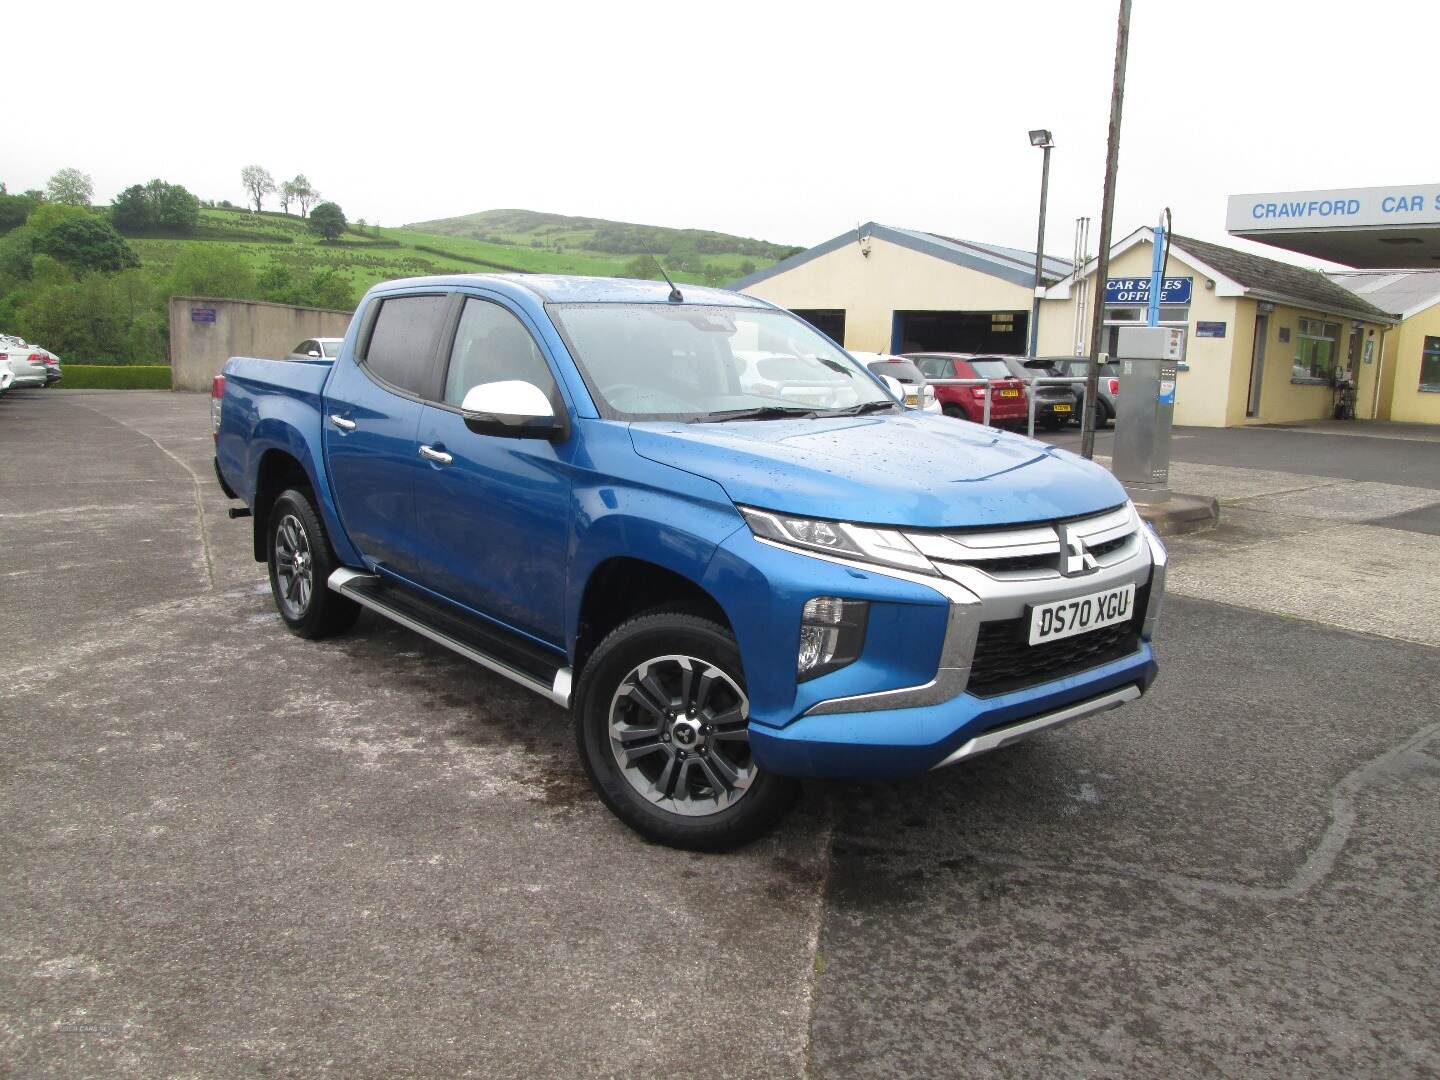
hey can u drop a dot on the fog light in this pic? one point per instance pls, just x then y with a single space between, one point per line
832 634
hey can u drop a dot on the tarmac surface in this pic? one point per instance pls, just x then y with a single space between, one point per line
229 852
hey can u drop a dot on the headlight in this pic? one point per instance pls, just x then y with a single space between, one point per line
887 547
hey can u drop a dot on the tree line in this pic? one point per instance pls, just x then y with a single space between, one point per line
71 281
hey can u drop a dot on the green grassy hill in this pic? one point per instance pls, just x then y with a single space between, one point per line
366 255
696 253
85 302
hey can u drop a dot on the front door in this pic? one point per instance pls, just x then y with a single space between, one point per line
1257 365
372 414
494 520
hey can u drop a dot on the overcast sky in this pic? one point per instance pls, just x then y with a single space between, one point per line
787 122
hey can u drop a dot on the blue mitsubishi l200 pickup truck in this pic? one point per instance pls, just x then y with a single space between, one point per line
699 524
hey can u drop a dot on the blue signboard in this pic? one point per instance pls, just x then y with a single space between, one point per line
1209 329
202 314
1136 290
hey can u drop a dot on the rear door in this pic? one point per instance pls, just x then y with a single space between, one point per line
372 412
493 513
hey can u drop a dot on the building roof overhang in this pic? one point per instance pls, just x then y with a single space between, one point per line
1367 228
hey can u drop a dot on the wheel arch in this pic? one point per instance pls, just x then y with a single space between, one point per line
624 586
277 470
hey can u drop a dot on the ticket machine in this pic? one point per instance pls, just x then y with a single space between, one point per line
1149 359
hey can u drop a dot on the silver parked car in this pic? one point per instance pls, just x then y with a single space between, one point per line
316 348
26 362
1055 404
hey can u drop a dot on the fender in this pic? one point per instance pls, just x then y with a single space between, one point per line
659 514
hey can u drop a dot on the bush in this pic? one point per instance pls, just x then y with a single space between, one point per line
85 243
115 377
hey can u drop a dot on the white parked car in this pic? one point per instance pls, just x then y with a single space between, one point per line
918 391
789 377
317 348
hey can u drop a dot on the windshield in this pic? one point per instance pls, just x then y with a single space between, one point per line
991 369
692 361
330 348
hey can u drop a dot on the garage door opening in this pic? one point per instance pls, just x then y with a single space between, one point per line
829 321
961 331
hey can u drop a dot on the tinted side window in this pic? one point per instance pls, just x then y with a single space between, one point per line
934 367
492 345
403 341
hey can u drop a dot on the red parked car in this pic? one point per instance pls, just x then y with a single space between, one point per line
1009 404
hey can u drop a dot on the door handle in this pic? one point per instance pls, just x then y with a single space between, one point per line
342 423
437 456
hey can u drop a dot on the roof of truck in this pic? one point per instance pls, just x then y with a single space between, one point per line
577 289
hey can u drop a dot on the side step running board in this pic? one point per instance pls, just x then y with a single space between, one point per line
472 642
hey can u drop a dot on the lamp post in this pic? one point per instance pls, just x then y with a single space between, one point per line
1042 139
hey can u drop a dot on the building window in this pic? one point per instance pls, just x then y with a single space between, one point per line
1316 350
1170 314
1430 366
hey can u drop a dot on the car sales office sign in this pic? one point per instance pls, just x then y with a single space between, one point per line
1136 290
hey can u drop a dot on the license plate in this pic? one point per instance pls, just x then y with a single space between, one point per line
1066 618
911 399
1061 408
1009 393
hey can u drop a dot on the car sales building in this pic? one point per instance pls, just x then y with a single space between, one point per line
882 289
1266 340
1390 235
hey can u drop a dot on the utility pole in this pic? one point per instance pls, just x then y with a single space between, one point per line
1107 216
1041 138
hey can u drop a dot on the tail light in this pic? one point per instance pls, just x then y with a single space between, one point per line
1114 386
978 391
36 358
217 393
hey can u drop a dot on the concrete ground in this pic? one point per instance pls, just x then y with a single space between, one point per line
230 852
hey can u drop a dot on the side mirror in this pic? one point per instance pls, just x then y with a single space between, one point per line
895 386
512 409
314 354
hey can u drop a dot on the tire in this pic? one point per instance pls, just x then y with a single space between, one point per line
953 411
308 607
718 799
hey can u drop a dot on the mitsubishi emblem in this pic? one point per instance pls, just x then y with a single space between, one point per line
1075 558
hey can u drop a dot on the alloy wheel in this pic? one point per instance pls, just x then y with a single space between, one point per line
294 566
679 731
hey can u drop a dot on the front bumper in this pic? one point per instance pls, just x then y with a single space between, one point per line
914 727
909 741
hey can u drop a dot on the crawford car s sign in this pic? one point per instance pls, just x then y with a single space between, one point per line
1413 204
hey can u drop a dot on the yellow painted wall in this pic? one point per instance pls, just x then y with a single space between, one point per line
1389 351
1407 403
892 278
1214 392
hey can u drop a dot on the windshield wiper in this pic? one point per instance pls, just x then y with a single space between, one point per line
763 412
864 407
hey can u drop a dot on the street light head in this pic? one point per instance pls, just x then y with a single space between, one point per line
1040 137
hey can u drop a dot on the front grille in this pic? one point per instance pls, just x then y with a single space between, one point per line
1100 550
1020 562
1005 662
